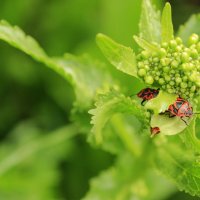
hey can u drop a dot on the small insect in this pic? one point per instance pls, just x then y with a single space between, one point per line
147 94
154 131
180 108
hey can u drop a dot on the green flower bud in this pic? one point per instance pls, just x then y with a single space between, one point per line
187 93
156 59
184 57
178 80
179 48
173 44
187 66
162 52
183 85
168 86
194 53
185 78
161 81
167 78
182 90
193 39
179 40
191 95
193 88
149 80
146 67
165 61
171 91
175 55
140 65
158 73
174 64
166 69
145 54
169 55
142 72
193 46
172 83
172 71
193 76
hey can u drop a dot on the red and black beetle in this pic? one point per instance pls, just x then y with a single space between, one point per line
154 131
147 94
180 108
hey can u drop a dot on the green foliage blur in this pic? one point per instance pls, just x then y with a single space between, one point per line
35 103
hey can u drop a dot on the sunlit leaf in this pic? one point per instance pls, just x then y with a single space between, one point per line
191 26
84 73
150 28
166 23
122 57
146 45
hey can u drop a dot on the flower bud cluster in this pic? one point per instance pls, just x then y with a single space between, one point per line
175 68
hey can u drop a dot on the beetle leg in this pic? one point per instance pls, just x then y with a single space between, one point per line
184 121
143 101
168 113
164 113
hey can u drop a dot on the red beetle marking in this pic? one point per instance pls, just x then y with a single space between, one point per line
154 131
180 108
147 94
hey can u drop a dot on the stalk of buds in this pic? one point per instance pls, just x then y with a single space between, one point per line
175 68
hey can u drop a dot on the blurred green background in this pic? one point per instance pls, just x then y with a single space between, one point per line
35 102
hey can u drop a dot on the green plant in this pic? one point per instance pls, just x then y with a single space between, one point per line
120 125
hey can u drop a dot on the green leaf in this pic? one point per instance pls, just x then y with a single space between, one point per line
166 24
191 26
150 28
16 37
178 163
122 57
126 180
107 106
146 45
29 161
10 157
189 137
167 125
86 75
79 71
